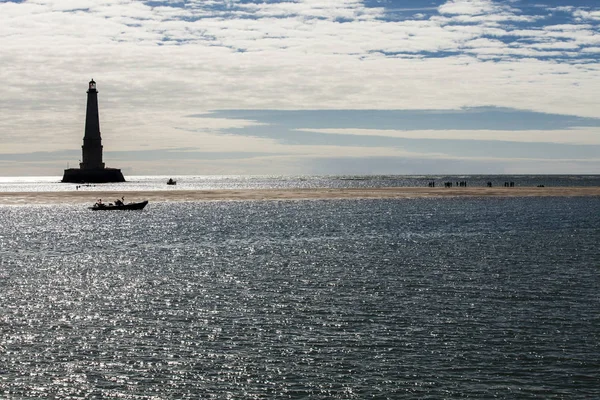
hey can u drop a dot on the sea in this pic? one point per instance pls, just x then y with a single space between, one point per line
424 298
157 183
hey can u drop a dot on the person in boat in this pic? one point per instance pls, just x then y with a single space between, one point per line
120 202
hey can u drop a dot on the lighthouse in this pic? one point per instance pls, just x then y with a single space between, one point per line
92 169
92 142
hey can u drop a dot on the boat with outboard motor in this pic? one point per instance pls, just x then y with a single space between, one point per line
118 205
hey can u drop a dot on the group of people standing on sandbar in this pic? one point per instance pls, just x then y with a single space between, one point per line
448 184
458 184
464 184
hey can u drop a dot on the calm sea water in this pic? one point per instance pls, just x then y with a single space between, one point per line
29 184
345 299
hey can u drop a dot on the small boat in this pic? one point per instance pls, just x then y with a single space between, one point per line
122 206
171 182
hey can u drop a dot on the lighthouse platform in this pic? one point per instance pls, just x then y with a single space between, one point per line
100 175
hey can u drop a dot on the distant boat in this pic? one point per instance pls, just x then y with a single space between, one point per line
122 206
171 182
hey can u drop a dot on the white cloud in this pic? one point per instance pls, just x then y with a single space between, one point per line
578 136
469 7
155 65
332 9
583 14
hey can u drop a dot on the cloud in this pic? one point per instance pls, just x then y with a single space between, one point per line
472 7
573 136
583 14
158 62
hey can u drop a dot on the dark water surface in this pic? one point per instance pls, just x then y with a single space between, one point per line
348 299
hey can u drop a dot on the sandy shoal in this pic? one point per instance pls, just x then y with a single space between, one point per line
89 197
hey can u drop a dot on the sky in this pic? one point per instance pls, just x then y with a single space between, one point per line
303 87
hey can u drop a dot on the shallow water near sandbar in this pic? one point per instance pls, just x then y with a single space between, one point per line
412 298
242 182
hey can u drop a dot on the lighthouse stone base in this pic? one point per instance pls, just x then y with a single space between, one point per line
103 175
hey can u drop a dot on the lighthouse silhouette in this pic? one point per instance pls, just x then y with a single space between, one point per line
92 169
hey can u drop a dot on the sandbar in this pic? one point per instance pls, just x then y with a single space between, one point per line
89 197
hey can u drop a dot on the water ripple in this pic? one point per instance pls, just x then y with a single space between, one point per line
423 298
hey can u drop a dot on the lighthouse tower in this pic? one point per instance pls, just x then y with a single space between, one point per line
92 142
91 169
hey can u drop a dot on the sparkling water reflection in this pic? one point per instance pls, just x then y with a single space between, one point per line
423 298
158 183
